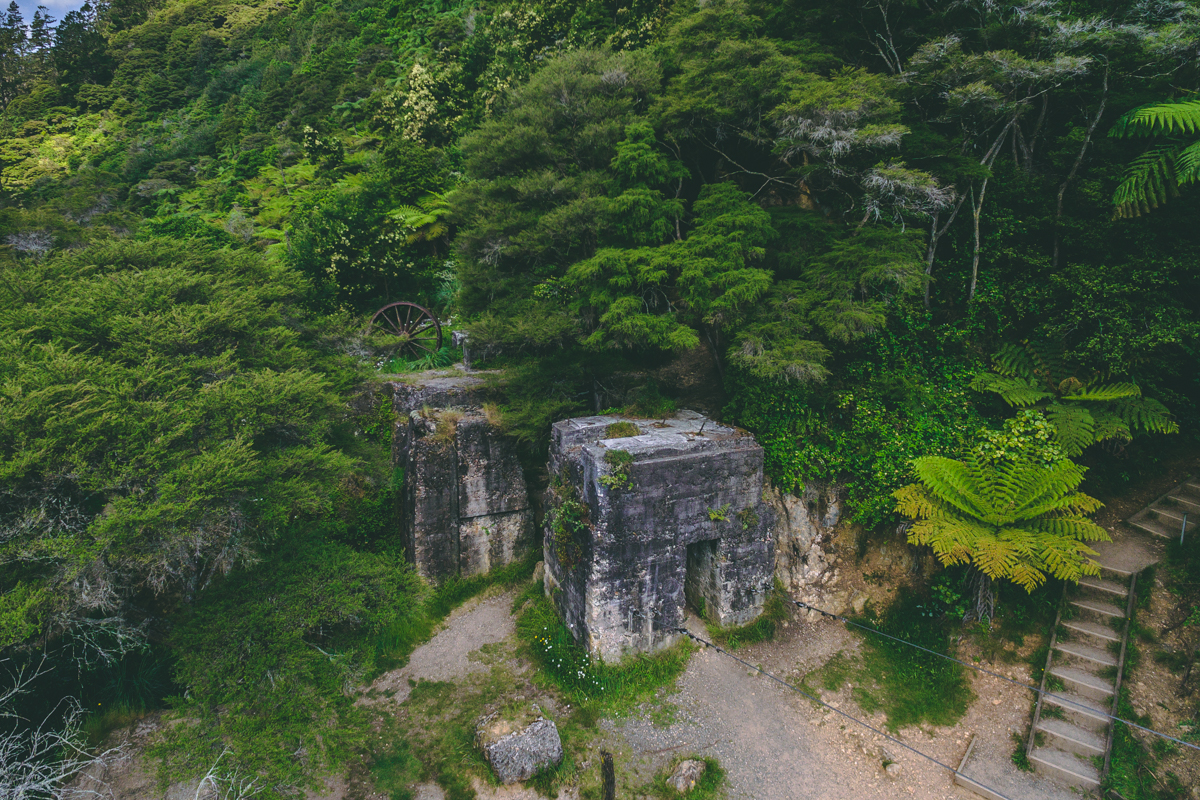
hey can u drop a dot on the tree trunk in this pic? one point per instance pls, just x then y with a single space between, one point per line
981 585
1062 190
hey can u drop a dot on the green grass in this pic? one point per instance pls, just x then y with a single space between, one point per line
775 610
395 643
910 686
621 430
443 358
833 675
98 724
434 739
590 682
1019 757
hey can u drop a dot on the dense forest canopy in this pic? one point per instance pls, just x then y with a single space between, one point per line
852 210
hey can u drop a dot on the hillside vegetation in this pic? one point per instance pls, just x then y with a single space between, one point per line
960 231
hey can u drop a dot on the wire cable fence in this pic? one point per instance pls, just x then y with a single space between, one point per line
1035 689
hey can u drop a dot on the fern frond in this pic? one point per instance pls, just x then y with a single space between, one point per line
1187 164
1146 414
1048 359
1109 426
1013 390
949 481
1159 118
1014 361
1112 391
1074 426
1150 180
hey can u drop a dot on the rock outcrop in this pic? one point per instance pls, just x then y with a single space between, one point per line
804 563
644 516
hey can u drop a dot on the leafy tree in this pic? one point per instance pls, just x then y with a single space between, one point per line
1084 408
164 417
1171 162
1012 519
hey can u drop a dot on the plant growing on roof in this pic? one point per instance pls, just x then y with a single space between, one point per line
1084 410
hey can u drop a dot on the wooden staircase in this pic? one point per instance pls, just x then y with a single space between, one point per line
1072 731
1165 516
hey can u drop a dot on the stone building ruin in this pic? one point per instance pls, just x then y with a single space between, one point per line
644 517
465 506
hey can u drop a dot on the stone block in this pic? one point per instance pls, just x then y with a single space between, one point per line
518 746
465 507
683 520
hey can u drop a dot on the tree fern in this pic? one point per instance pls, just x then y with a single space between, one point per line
1156 175
1084 411
1018 521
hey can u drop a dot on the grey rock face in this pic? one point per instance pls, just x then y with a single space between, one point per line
517 749
802 532
465 508
686 775
683 521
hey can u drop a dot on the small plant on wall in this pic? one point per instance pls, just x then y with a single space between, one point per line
568 520
619 462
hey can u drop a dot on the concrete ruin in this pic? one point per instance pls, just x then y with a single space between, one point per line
465 505
645 516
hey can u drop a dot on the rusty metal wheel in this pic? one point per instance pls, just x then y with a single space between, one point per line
416 327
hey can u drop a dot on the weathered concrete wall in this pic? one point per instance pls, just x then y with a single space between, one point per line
619 582
465 507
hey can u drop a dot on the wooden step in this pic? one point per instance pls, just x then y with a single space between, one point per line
1101 632
1068 766
1078 705
1104 609
1083 681
1087 653
1105 586
1072 737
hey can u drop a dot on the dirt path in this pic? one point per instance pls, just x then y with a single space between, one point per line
776 744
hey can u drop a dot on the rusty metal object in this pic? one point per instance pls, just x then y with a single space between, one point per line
415 326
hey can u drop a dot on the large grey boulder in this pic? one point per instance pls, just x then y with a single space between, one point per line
518 746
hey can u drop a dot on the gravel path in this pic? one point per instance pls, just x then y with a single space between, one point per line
473 625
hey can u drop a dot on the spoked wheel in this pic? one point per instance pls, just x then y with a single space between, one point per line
416 327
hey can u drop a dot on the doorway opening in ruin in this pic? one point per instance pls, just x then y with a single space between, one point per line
700 580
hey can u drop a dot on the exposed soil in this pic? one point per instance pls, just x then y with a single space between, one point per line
1154 690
